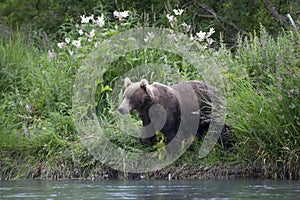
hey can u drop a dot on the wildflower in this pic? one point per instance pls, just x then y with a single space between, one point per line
71 53
61 45
30 107
27 107
85 20
192 37
292 106
209 40
100 21
171 18
200 36
211 31
178 12
92 33
80 31
121 15
51 54
279 79
76 43
172 36
67 40
187 27
149 35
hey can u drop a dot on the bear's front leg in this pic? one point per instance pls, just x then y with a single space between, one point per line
148 134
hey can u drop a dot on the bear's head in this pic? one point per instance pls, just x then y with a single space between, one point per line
137 96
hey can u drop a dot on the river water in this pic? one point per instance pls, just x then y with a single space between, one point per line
162 190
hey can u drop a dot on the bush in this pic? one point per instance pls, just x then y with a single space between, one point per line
35 107
264 107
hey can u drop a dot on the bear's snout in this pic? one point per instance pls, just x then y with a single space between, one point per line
125 107
122 110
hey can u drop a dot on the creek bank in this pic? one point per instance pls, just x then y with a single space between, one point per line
101 172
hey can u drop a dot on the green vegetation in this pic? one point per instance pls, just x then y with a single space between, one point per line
38 138
229 18
265 105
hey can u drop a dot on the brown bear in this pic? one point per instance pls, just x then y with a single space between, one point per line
165 108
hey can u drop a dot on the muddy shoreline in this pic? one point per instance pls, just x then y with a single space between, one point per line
100 172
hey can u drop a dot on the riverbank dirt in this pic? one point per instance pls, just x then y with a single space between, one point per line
234 171
101 172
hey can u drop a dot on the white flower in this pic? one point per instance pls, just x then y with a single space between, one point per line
28 107
192 37
209 40
211 31
80 31
172 36
150 35
178 12
171 18
92 33
61 45
76 43
85 20
121 15
67 40
292 106
200 36
51 54
71 53
100 21
187 27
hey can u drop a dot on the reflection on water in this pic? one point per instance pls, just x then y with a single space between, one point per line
200 189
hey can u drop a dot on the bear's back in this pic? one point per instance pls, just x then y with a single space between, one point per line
199 88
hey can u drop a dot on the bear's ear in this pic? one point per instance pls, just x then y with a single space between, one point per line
127 82
150 90
144 83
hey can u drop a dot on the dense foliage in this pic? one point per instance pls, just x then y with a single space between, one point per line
228 17
262 76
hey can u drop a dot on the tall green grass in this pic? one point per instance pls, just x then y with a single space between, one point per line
37 134
264 107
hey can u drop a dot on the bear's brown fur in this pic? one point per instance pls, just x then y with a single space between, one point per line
161 107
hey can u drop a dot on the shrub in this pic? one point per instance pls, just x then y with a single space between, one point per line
264 108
